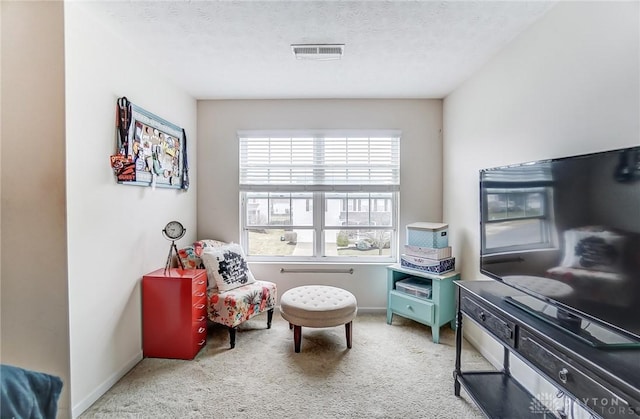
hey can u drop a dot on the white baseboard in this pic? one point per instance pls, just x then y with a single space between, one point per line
361 310
487 352
83 405
372 310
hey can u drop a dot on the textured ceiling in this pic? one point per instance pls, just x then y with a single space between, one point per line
393 49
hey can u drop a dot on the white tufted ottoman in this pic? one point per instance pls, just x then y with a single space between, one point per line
318 306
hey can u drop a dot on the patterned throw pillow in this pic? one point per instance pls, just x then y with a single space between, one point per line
227 266
190 255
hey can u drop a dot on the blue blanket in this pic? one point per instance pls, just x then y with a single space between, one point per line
28 394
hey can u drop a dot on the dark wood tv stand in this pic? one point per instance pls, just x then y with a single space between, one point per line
605 381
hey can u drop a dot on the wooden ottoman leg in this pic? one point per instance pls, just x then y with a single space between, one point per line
347 328
269 318
232 337
297 337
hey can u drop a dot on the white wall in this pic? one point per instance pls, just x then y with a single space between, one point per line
568 85
75 244
114 231
421 168
35 332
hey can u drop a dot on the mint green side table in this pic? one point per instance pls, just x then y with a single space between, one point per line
437 311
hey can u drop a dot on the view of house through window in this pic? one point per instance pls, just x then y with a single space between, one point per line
517 217
319 197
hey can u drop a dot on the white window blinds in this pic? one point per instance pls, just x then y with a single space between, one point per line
320 161
528 174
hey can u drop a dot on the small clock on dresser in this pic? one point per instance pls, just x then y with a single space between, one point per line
174 230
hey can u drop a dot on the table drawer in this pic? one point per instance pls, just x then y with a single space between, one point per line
412 307
500 327
557 368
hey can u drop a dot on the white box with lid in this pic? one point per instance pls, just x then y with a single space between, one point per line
428 252
414 286
422 234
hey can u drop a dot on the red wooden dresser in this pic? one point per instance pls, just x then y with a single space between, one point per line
174 313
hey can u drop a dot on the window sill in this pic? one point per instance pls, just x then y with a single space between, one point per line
325 263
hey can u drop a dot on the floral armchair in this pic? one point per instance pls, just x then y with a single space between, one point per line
233 294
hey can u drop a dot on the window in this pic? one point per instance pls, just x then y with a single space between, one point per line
329 196
516 218
517 215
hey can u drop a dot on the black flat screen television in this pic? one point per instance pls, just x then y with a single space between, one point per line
566 232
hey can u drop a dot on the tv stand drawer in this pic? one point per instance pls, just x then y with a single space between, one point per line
594 395
500 327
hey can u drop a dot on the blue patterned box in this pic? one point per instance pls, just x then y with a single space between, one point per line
428 265
435 235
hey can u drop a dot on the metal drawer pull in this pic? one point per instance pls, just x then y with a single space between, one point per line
200 319
483 316
409 307
202 329
200 282
199 294
563 374
202 342
200 306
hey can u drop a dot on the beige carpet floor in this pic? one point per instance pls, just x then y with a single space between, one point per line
392 371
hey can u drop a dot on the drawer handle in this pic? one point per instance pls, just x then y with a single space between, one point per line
483 316
563 375
202 329
409 307
202 342
200 319
199 294
200 306
200 282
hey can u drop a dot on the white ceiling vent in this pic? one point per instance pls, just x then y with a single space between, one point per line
318 51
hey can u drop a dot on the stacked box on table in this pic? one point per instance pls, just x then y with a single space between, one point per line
434 235
428 265
428 252
415 286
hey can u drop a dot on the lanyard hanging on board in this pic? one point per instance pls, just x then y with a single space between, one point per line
124 122
185 169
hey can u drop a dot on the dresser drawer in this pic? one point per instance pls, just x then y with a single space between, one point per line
499 326
411 307
198 294
198 335
199 284
199 316
554 364
199 310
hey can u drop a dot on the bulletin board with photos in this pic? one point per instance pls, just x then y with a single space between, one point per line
151 150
